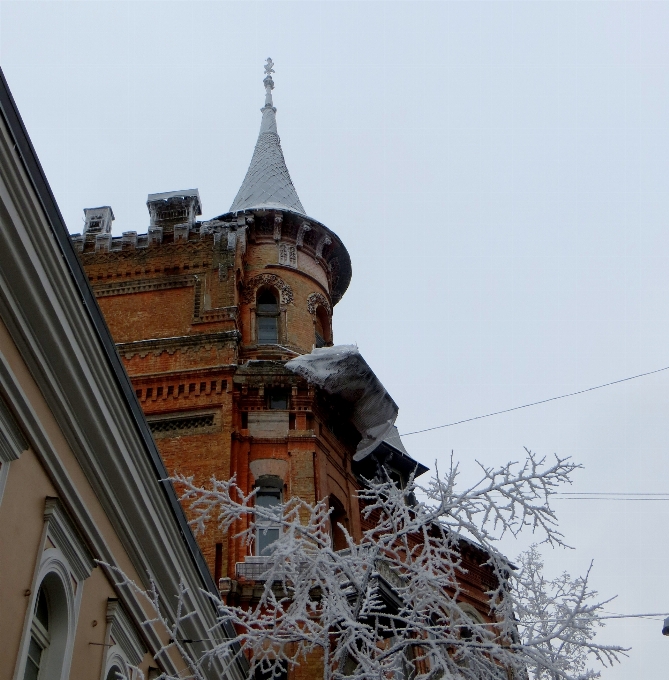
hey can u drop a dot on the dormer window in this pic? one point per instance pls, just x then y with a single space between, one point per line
267 317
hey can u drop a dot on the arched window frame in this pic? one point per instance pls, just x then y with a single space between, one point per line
322 317
64 564
338 516
321 312
124 648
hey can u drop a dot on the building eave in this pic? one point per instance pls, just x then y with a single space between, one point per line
346 270
63 339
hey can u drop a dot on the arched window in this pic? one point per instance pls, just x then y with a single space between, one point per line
267 317
338 519
48 631
39 638
115 673
322 323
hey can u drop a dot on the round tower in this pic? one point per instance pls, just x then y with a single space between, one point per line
296 269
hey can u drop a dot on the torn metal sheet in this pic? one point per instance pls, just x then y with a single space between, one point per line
341 370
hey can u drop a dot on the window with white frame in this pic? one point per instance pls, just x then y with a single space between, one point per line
268 529
123 645
51 621
39 637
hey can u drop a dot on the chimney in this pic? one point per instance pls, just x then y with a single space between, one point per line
173 208
98 220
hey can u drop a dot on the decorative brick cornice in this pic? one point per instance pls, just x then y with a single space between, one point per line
218 314
142 285
182 343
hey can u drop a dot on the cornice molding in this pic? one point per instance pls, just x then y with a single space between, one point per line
67 539
180 343
142 285
12 441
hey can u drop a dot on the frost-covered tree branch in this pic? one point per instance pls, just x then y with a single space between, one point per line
559 618
391 603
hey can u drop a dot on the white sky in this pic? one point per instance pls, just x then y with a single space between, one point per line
499 174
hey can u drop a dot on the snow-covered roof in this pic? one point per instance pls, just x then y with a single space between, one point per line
341 370
267 184
173 194
184 193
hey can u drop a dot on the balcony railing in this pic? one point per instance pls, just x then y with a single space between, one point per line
253 568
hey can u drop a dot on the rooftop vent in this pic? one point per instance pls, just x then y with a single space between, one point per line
98 220
174 207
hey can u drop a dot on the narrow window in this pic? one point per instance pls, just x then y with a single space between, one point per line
338 519
267 530
267 318
322 328
39 637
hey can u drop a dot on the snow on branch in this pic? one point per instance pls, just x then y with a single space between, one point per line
394 602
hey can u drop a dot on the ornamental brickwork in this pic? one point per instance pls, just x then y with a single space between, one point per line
205 314
183 310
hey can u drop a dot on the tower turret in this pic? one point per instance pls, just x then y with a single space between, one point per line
296 268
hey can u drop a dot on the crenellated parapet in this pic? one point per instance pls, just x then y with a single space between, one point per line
202 270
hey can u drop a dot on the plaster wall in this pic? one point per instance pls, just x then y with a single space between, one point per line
28 485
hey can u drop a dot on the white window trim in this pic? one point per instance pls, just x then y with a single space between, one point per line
71 561
263 524
12 443
124 646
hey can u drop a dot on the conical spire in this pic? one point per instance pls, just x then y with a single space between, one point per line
267 183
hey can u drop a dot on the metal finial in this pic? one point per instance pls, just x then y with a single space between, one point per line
268 82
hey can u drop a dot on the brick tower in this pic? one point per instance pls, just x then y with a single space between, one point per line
206 313
219 324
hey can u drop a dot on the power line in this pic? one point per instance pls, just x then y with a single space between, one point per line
612 493
656 616
536 403
605 498
609 496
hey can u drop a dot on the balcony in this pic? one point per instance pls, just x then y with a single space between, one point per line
253 568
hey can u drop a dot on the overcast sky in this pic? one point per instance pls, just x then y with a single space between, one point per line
499 174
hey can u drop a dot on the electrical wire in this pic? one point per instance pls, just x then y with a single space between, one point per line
536 403
609 496
655 616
